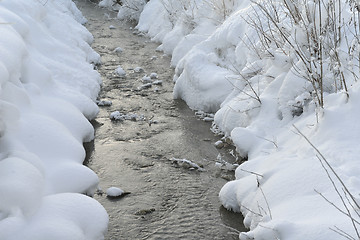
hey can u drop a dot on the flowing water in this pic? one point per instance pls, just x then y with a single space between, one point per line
166 200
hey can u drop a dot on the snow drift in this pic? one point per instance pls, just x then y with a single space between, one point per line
266 75
47 93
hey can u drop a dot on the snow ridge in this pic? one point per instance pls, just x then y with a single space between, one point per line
259 94
47 93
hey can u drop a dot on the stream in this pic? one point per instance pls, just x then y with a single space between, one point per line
168 199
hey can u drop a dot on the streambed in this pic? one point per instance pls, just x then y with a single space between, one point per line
167 200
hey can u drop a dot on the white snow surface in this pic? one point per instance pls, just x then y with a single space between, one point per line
47 93
279 188
114 192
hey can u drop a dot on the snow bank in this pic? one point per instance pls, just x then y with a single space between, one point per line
128 9
259 92
47 93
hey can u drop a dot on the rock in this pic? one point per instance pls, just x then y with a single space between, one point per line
112 27
104 103
138 70
187 164
146 79
117 116
219 144
145 86
153 122
153 75
145 211
118 50
158 82
227 140
200 114
120 71
208 119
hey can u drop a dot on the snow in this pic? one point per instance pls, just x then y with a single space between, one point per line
47 95
260 96
187 164
106 3
120 71
114 192
298 147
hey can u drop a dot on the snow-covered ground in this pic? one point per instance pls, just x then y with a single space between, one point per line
255 65
47 93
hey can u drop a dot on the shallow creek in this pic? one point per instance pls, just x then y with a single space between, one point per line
166 201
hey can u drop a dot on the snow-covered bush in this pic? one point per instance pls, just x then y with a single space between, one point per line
183 23
131 9
319 41
128 10
107 3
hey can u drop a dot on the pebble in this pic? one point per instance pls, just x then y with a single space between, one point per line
146 79
138 69
219 144
102 103
158 82
118 50
144 86
208 119
118 116
153 75
187 164
112 27
120 71
145 211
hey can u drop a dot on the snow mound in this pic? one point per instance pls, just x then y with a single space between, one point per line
259 90
114 192
47 96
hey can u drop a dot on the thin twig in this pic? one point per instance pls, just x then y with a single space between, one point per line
257 174
265 198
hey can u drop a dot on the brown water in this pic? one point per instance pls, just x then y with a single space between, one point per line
166 201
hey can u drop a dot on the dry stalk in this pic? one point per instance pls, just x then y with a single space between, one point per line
330 170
